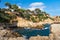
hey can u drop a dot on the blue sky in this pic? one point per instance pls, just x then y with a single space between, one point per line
50 6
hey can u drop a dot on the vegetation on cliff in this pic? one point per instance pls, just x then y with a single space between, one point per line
35 16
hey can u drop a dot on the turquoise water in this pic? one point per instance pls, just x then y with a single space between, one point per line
34 32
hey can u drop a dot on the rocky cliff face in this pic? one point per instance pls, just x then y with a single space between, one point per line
25 23
22 22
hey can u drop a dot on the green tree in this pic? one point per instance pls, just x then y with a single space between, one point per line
37 10
5 17
14 6
8 4
33 19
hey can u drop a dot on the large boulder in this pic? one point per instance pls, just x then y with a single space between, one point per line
55 29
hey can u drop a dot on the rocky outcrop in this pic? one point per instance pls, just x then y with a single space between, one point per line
8 33
55 29
25 23
6 38
50 37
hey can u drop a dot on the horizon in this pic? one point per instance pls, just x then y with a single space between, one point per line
52 7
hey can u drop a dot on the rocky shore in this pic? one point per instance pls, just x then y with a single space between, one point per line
7 34
6 38
50 37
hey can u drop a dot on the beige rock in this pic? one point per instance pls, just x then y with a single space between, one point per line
2 32
51 36
5 38
14 38
25 23
45 38
10 39
1 38
20 38
56 30
33 38
39 38
8 33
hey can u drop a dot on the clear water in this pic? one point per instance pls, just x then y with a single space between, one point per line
34 32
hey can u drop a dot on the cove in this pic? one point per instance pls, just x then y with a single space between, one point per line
28 32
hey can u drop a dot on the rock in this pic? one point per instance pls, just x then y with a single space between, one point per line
5 38
39 38
55 29
8 33
1 38
45 38
2 32
33 38
10 39
25 23
1 27
51 36
20 38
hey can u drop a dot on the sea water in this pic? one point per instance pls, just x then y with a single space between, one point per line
28 32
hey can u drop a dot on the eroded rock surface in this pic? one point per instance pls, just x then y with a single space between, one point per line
8 33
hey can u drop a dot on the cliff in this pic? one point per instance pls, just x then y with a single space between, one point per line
25 23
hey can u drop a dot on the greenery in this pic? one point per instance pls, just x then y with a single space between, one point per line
35 16
5 17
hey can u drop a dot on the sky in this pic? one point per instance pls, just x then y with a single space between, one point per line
50 6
